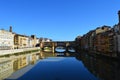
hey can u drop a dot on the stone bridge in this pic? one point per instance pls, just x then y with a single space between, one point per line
54 44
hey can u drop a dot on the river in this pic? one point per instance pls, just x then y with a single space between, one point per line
58 66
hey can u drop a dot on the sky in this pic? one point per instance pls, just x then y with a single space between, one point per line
59 20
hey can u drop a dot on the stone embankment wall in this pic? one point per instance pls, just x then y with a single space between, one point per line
6 52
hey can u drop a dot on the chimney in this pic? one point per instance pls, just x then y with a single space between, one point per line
10 30
119 16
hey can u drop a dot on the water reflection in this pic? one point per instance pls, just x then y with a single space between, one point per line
60 49
58 66
103 68
6 68
11 64
64 50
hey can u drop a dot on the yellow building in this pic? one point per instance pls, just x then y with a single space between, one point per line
20 41
23 41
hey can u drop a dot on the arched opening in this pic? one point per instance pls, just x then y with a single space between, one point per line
48 49
71 49
60 49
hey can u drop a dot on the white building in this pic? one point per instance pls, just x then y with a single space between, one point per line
46 40
6 40
29 42
37 41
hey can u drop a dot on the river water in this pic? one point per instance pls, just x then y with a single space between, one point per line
58 66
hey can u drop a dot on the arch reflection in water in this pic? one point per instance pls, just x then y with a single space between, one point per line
64 49
71 49
60 49
103 68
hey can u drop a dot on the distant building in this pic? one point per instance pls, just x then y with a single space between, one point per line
45 39
6 40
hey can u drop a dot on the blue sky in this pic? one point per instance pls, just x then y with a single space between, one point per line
57 19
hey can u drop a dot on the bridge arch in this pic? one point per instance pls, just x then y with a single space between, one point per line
55 44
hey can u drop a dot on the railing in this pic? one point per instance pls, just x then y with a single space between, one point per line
5 52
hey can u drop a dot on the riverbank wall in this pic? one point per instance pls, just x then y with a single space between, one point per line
16 51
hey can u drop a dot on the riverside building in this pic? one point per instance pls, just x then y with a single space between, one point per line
6 40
